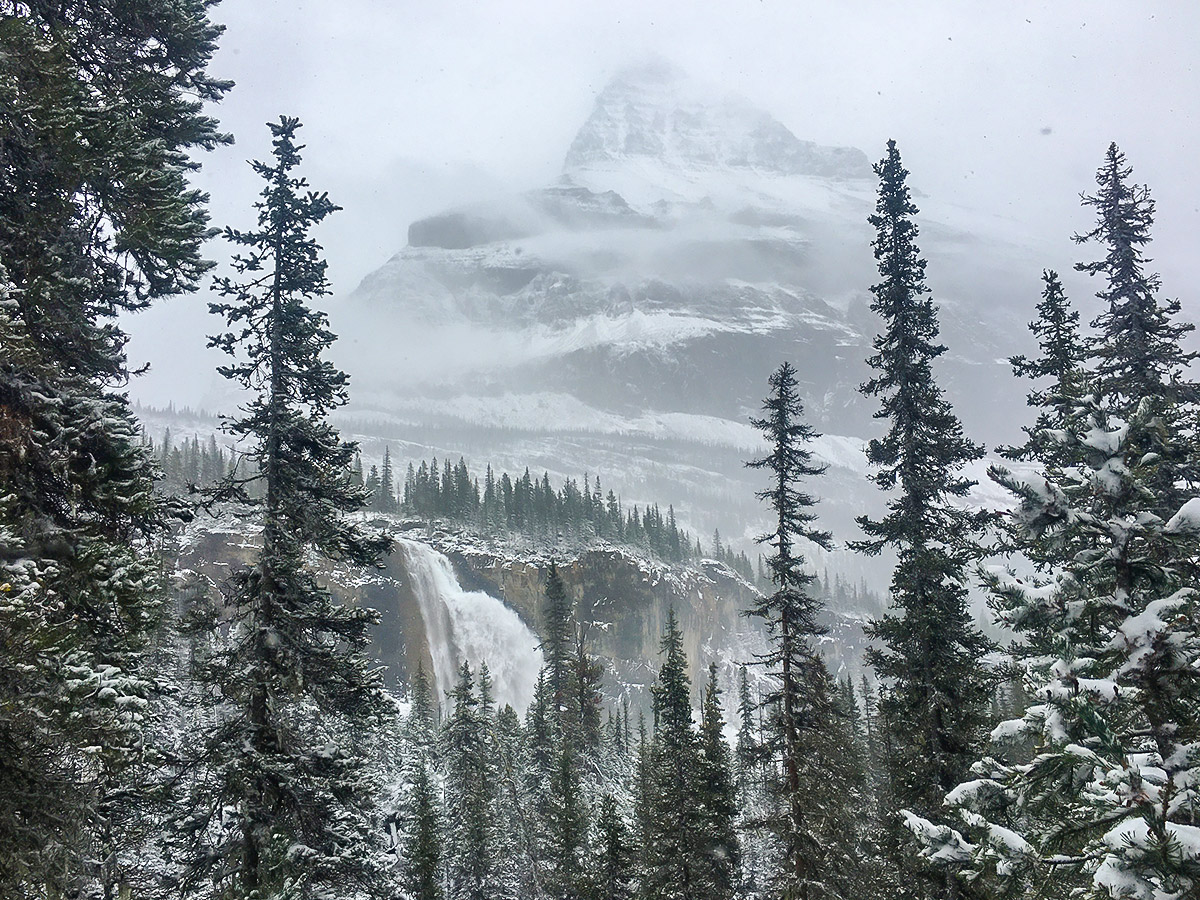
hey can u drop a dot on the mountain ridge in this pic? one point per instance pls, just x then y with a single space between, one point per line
662 286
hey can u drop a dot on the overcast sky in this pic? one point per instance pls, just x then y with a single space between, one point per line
410 107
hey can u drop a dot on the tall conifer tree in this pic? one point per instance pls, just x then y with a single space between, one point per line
718 850
558 644
296 670
929 651
1108 636
100 103
1137 351
802 711
1059 371
669 820
471 860
420 838
386 500
611 865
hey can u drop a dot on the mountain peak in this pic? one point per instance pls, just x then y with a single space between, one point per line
653 110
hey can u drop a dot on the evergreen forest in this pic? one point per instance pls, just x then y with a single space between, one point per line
162 736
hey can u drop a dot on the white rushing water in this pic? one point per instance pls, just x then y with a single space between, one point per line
472 626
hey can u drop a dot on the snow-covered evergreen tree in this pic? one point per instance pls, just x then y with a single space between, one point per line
515 873
752 765
471 859
1059 371
610 868
290 771
687 843
1109 641
419 836
102 103
719 849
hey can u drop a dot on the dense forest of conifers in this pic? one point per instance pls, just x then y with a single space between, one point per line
163 736
502 506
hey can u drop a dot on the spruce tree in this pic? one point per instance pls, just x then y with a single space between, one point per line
1108 635
101 105
471 861
558 643
668 814
586 674
296 674
611 866
542 743
567 828
802 711
515 876
718 850
422 850
1063 353
928 650
386 501
751 766
420 839
1137 352
371 485
423 712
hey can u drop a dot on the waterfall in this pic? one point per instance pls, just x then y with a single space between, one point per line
472 626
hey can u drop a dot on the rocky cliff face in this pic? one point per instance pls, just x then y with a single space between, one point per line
621 599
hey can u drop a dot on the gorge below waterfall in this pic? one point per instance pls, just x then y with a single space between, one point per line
472 626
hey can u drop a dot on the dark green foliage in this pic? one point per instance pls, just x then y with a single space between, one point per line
1137 351
530 506
515 876
566 828
752 770
422 717
1063 352
193 464
99 107
929 652
586 675
295 674
563 741
542 742
559 630
687 844
101 102
611 866
719 850
423 854
471 834
1107 634
805 727
419 836
668 818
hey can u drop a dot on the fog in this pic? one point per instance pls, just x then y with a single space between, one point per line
410 108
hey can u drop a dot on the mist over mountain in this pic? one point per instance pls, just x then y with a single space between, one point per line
624 319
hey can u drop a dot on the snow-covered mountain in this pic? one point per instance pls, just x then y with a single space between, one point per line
654 112
624 319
